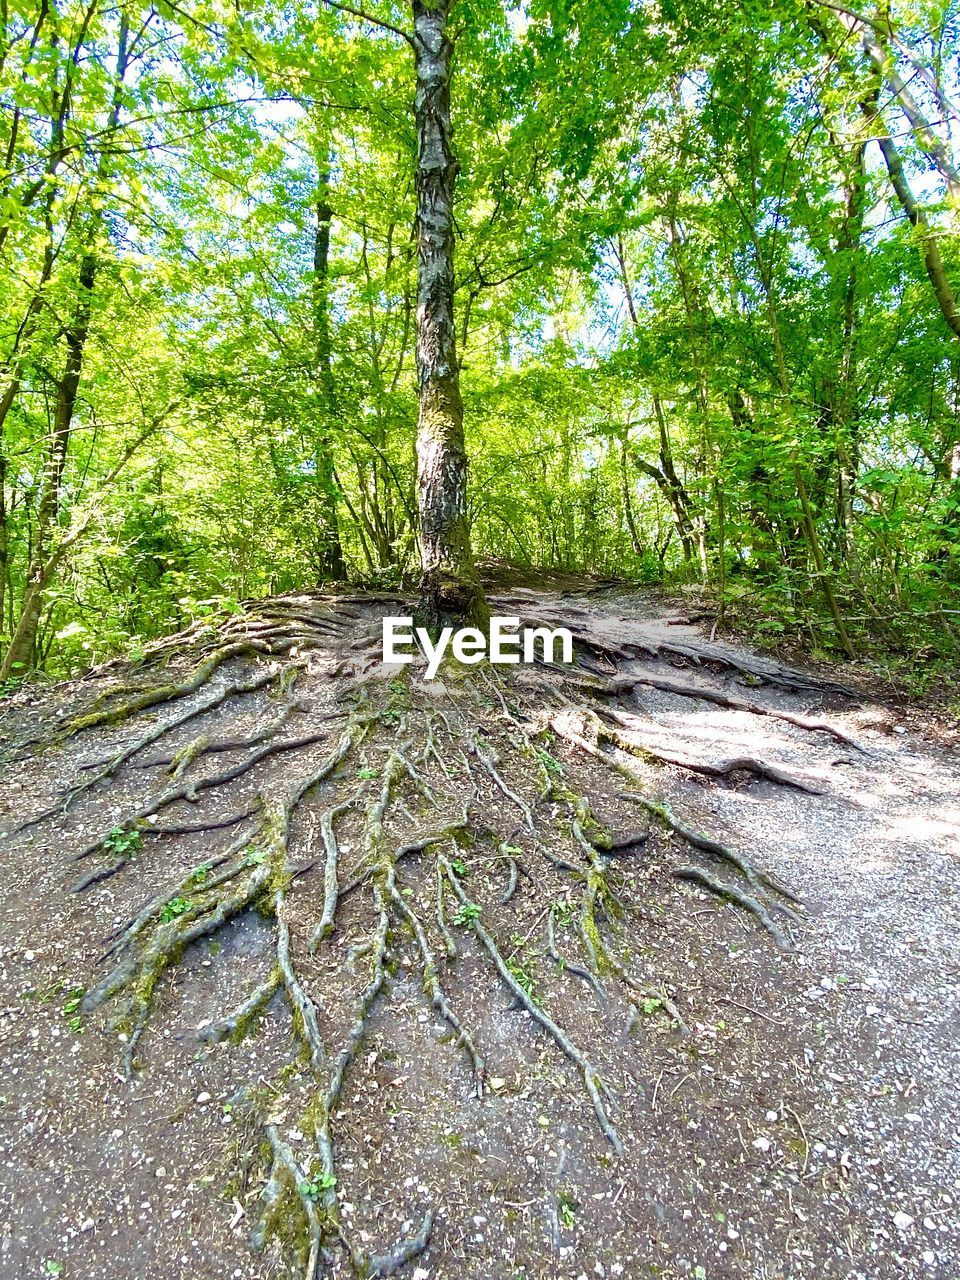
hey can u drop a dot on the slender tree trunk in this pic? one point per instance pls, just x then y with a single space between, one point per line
848 433
20 653
675 488
884 66
44 559
450 590
929 242
635 540
4 533
696 328
331 556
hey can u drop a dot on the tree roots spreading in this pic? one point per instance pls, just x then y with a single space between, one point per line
447 803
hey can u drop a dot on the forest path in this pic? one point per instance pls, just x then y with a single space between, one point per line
808 1125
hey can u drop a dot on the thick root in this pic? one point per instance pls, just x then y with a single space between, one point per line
591 1078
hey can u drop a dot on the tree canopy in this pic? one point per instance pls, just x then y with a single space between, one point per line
703 273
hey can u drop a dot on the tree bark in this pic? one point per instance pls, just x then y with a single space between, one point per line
43 559
20 652
847 410
450 591
635 540
884 65
331 554
808 523
929 244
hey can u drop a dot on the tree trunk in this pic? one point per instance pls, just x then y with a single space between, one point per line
635 540
331 555
20 653
929 243
450 590
43 558
847 411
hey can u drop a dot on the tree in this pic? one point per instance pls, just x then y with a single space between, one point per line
450 588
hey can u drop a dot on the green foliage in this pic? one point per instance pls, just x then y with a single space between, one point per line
549 762
521 975
567 1208
467 914
125 842
174 908
315 1187
677 293
70 1009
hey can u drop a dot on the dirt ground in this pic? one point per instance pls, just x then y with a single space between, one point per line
804 1122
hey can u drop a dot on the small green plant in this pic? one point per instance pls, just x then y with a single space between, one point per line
70 1009
314 1187
567 1210
124 842
650 1005
460 867
199 874
72 1003
53 1268
10 685
174 908
467 914
366 772
523 978
549 762
562 912
255 857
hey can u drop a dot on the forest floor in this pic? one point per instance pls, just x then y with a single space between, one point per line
769 1112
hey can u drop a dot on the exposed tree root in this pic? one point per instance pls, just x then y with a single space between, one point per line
745 900
189 790
624 684
242 1016
106 768
591 1078
390 861
756 878
630 643
567 966
739 764
112 710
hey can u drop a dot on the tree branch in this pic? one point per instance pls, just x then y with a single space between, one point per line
366 17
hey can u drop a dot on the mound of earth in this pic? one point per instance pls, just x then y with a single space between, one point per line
645 966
